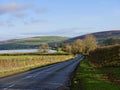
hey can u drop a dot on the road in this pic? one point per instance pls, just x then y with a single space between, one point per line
52 77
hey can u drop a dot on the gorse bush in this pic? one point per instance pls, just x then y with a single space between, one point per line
105 56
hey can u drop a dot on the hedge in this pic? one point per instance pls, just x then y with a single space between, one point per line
105 56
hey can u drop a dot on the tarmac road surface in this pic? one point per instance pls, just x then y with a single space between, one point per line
52 77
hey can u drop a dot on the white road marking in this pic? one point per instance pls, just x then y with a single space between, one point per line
12 85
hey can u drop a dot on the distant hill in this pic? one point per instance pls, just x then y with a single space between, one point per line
32 42
101 36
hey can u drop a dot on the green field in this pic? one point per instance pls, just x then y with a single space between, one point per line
15 64
33 42
90 78
39 40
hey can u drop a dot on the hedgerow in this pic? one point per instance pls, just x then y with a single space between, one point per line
105 56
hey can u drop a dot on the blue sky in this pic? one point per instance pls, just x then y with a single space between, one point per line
26 18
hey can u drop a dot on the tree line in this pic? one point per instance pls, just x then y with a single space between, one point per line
83 46
111 41
79 46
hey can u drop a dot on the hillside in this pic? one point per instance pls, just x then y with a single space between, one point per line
32 42
101 36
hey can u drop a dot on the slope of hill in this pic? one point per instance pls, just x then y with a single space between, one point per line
32 42
101 36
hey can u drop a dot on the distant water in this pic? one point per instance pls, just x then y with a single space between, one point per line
23 51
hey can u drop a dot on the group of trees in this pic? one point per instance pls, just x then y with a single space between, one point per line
81 46
111 41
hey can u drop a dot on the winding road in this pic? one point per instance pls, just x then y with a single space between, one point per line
52 77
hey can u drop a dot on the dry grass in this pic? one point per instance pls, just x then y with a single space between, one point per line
20 63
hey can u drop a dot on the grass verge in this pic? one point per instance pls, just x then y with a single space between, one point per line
90 78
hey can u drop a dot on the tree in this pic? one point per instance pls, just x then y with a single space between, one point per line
59 49
67 48
90 43
44 48
77 46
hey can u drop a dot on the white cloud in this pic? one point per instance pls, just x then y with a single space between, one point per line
69 32
7 36
13 7
40 10
20 15
20 12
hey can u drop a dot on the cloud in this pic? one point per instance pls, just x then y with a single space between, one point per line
40 10
8 37
1 23
7 23
33 21
20 15
23 13
69 32
13 7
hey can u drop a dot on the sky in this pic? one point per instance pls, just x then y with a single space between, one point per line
28 18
